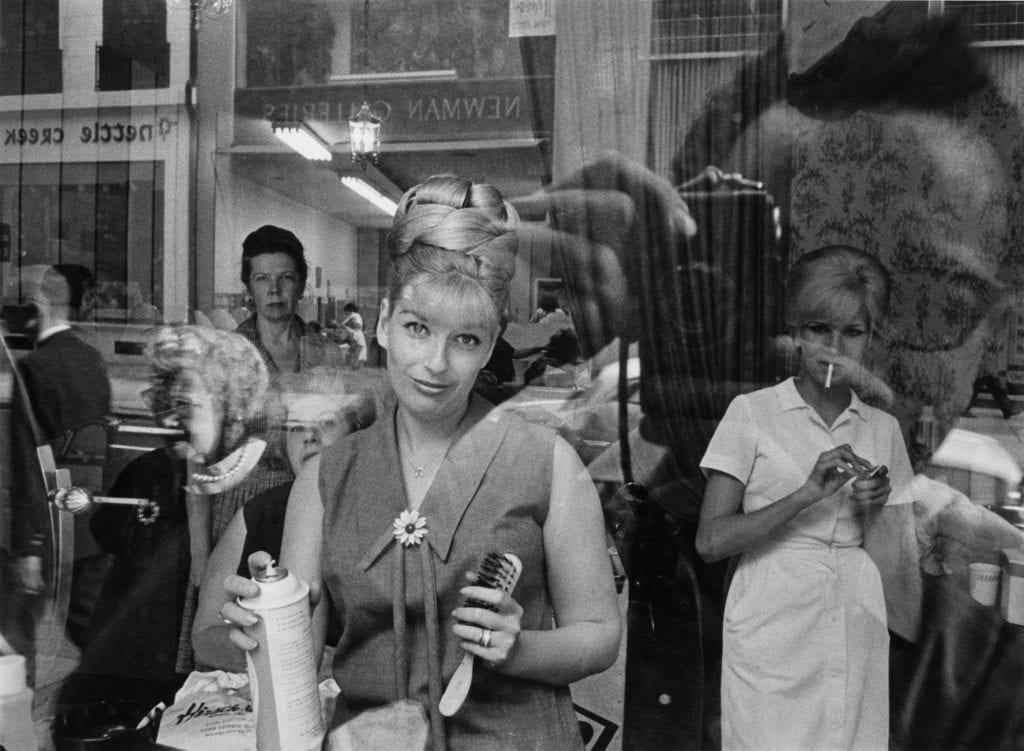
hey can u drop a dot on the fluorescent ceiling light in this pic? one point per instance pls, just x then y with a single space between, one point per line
404 75
300 137
370 193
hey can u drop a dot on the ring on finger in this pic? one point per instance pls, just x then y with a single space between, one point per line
485 638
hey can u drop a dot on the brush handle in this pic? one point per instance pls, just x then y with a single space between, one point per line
458 687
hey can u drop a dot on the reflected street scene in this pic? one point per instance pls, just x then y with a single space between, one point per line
500 374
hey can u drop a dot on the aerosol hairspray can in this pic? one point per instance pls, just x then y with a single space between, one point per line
282 669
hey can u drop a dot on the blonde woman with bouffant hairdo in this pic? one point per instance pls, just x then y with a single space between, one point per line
448 213
394 519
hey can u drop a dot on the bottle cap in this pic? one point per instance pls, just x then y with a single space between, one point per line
12 675
276 589
270 573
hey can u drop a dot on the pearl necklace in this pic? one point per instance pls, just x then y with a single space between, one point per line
199 477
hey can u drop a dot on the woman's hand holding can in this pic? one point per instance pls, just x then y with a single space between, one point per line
240 588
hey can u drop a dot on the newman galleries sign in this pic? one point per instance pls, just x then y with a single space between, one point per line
450 110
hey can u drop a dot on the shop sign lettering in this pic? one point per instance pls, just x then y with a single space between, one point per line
328 111
23 136
418 110
95 132
466 108
427 110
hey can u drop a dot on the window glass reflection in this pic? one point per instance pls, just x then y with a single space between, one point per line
666 164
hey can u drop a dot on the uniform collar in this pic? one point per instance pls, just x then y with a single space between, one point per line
790 399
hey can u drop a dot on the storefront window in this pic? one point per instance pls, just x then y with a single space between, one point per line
290 43
135 53
466 37
30 53
305 43
684 27
100 216
643 332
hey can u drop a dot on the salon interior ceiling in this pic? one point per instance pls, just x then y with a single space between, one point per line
516 169
316 184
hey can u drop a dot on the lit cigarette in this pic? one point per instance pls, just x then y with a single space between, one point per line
828 378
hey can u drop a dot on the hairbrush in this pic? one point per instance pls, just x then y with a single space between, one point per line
497 571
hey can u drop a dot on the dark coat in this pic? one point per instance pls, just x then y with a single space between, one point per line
68 388
134 630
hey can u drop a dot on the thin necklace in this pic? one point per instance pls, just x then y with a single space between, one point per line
420 469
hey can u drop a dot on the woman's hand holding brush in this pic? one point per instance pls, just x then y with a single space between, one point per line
488 623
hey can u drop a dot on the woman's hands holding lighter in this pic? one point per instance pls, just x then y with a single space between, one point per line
490 635
872 488
837 466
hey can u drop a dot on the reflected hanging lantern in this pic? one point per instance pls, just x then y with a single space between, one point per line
364 133
202 10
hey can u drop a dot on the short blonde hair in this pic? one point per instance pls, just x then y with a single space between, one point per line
823 280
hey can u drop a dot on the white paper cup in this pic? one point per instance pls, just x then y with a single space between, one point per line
985 582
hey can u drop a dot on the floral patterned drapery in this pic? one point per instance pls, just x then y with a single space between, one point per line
937 197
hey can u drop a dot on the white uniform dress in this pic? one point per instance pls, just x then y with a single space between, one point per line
805 661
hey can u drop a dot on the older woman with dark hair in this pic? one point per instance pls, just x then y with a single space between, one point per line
274 272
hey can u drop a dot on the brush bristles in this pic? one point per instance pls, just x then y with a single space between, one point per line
497 571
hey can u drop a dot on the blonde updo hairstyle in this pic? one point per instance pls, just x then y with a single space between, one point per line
455 237
837 279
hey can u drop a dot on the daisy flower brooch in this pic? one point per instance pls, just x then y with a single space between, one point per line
410 528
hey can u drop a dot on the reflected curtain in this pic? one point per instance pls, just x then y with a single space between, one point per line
679 89
601 80
714 135
716 305
704 308
1006 67
713 312
622 242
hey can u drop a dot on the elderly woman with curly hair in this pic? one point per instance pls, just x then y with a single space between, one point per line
207 383
218 397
